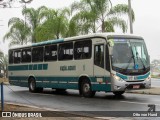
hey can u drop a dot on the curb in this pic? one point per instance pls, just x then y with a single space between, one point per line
151 91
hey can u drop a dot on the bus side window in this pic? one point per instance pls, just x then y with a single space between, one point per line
50 53
11 55
26 55
17 56
65 51
83 49
37 54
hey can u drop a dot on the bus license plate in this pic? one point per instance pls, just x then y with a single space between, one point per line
136 86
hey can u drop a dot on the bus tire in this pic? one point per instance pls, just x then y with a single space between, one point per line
86 89
118 93
32 86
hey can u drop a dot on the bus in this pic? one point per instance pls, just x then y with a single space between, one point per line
106 62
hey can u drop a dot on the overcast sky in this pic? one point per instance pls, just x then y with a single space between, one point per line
147 20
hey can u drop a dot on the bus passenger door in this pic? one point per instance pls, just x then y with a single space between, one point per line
99 69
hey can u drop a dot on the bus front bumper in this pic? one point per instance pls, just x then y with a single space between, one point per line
135 85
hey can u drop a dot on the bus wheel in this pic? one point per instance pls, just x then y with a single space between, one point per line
86 89
32 86
118 93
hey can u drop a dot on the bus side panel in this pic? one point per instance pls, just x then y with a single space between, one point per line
56 82
101 83
61 74
64 74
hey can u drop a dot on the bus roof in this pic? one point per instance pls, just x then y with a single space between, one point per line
105 35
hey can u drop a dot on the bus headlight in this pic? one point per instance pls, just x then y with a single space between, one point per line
117 78
148 78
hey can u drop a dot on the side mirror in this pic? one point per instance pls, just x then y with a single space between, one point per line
110 44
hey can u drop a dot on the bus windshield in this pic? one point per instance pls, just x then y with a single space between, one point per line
130 54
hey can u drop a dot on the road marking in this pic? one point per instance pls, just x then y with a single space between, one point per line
139 103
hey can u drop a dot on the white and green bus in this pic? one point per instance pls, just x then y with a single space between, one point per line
97 62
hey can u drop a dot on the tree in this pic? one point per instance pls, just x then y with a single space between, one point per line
4 63
55 24
85 18
98 15
19 32
155 62
8 3
26 1
73 28
34 19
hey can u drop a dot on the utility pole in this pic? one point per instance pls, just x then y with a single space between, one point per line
2 98
130 16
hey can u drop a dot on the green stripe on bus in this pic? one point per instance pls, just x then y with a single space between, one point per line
124 77
139 77
48 42
70 82
28 67
18 67
59 78
143 76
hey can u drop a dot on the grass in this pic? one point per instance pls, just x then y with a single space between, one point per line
155 76
3 80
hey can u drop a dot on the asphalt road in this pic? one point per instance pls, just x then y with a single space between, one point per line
71 101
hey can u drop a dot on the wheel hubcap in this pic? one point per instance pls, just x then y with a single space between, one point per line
32 85
86 88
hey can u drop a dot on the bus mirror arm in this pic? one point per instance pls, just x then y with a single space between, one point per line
110 51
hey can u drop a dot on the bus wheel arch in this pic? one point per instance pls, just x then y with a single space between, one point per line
85 88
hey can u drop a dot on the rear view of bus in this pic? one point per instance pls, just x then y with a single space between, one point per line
130 65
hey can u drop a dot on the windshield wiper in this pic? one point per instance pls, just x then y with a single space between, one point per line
137 54
132 57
